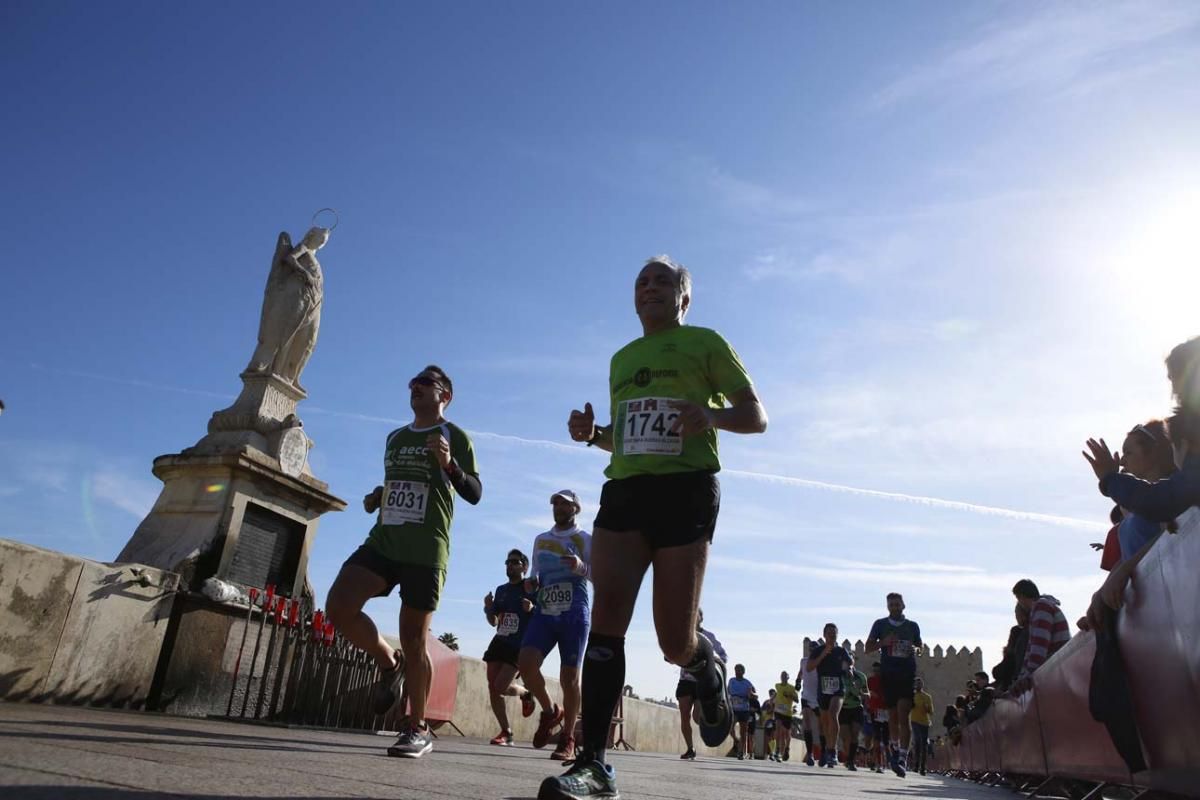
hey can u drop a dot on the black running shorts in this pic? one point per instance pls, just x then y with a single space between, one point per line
502 650
420 586
897 686
850 716
668 510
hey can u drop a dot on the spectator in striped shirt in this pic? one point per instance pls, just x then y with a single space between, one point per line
1048 629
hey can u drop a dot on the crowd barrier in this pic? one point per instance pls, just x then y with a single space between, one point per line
1049 732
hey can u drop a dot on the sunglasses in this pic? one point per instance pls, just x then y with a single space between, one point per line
510 561
1142 429
425 380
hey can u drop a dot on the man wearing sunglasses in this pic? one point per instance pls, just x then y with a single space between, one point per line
425 464
670 391
562 558
508 611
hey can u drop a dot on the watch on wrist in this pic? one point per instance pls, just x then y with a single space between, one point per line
596 432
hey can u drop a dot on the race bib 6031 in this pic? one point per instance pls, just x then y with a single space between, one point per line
404 501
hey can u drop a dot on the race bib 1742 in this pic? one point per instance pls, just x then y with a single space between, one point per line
404 501
646 427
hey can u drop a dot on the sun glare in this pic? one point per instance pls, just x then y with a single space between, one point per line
1158 266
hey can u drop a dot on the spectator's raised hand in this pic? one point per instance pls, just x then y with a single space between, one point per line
1097 546
1104 461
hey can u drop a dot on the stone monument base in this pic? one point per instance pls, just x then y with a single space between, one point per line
234 515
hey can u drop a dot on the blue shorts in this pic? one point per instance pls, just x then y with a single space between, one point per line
568 630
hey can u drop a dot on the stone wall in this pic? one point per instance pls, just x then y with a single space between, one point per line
945 672
79 631
649 727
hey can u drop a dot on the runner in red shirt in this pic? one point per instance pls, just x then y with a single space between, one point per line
877 709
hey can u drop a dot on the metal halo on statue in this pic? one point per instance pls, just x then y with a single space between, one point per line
336 218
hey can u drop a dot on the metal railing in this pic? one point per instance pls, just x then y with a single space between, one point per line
295 669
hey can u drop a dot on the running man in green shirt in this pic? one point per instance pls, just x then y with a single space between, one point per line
671 390
425 464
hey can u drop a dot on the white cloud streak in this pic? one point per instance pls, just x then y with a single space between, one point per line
1060 43
783 480
931 502
128 494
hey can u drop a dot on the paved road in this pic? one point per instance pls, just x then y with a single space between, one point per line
59 753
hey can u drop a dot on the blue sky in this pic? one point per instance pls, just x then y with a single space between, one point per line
950 241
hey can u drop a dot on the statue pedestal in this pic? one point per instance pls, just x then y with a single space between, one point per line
263 418
235 515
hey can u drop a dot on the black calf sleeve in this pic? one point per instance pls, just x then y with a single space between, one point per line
603 681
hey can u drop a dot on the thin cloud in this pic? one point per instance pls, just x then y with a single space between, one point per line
1052 49
784 480
128 494
932 502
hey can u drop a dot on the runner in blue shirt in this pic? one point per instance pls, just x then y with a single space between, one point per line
741 693
562 558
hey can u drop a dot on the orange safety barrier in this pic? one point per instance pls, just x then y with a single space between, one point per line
1049 731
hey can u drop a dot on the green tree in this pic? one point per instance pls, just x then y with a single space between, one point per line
449 639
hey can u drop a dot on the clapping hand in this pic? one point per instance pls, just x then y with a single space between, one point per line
1104 462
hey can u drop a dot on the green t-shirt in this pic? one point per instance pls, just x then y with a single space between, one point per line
856 685
684 363
413 524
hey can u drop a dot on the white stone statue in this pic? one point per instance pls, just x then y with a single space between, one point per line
291 310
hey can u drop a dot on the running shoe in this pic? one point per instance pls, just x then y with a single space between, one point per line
586 778
879 769
897 767
690 754
808 759
527 704
716 720
565 750
412 743
385 692
787 754
546 724
503 738
850 766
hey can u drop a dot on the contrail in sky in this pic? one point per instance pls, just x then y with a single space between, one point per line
763 477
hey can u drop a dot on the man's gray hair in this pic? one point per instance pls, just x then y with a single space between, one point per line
683 277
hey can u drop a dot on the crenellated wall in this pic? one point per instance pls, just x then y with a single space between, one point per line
944 670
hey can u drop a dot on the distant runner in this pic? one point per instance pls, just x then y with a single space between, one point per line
508 611
785 710
562 559
829 661
685 690
852 713
899 639
741 699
